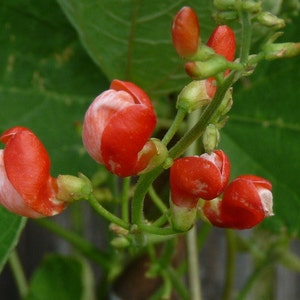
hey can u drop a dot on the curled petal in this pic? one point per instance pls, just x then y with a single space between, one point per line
124 137
27 166
9 197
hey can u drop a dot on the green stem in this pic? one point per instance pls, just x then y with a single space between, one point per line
78 242
246 36
18 272
181 113
125 199
141 190
156 200
106 214
230 264
193 264
200 126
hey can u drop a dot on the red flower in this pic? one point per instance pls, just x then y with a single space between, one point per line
117 126
246 202
197 177
26 187
186 32
222 41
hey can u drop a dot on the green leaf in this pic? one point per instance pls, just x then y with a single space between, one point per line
46 80
11 227
131 40
61 278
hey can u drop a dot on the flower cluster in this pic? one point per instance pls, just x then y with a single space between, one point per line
247 199
117 130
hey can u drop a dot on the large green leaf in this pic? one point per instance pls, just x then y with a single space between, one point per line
10 228
46 79
61 278
131 40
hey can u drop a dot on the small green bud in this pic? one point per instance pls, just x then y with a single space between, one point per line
211 138
222 17
224 4
120 242
281 50
72 188
251 6
226 103
268 19
193 96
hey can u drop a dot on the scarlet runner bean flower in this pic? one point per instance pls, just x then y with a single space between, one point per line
222 41
246 202
195 177
117 127
186 32
26 187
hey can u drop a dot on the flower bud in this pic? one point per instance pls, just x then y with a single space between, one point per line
71 188
193 96
222 41
116 127
186 32
246 202
268 19
281 50
211 138
224 4
26 186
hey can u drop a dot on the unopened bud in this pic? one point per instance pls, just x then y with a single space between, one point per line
72 188
281 50
193 96
224 4
222 17
268 19
251 6
211 138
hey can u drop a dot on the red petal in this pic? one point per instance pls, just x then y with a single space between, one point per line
241 205
124 137
222 40
27 166
140 97
186 32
